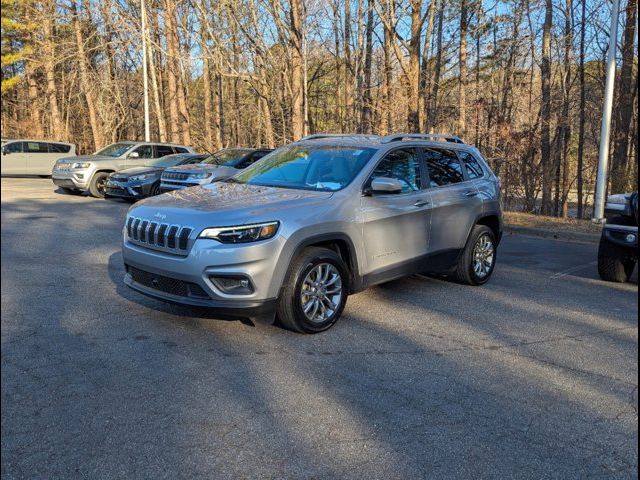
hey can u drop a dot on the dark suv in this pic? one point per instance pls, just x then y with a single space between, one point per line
618 251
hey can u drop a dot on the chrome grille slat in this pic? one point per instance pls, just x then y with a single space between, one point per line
153 227
161 236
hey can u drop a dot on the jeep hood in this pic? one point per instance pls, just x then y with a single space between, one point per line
86 158
127 172
226 204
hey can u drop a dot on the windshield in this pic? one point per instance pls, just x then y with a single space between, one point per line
114 150
167 161
227 158
309 168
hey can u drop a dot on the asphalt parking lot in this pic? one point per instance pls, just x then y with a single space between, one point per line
534 375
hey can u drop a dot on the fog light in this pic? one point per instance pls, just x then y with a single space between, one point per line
233 284
80 175
630 238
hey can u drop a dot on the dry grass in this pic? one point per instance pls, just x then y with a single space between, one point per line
552 224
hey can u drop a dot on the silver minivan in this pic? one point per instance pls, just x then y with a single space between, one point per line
32 157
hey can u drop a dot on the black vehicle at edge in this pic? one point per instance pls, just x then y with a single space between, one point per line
618 250
141 182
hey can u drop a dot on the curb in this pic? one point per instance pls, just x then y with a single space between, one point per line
555 234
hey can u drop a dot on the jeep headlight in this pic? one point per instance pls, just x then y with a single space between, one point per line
138 178
80 165
200 175
241 233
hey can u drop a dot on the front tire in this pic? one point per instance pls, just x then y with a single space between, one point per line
478 259
614 265
98 185
315 291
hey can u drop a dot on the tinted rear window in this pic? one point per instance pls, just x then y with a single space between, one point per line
59 148
471 165
163 150
444 167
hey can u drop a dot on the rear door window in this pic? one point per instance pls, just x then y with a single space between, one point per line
59 148
181 150
163 150
444 167
36 147
145 151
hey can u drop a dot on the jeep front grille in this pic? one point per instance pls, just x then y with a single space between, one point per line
161 236
175 176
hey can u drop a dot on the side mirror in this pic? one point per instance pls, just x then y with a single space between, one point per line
133 155
5 151
385 185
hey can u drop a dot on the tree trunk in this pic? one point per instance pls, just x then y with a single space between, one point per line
172 74
206 92
35 114
581 127
433 100
623 114
426 63
413 80
545 135
366 123
57 127
85 82
296 55
566 102
388 77
462 84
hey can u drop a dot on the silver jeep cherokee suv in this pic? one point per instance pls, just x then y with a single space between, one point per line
315 221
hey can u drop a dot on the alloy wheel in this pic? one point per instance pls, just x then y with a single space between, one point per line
321 293
483 256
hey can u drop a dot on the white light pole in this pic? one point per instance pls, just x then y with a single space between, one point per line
603 155
145 82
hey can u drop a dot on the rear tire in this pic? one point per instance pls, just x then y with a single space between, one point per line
478 259
314 292
98 184
614 265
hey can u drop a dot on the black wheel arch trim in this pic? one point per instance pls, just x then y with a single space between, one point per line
352 262
484 215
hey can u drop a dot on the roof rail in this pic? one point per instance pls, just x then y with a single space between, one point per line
422 136
339 135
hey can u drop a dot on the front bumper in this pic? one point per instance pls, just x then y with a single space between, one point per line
77 179
187 279
130 190
621 236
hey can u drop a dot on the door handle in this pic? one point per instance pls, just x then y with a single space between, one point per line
421 203
471 193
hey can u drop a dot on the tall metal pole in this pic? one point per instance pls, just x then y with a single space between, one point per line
145 81
603 155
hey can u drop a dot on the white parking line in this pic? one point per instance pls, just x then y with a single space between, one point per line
564 273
